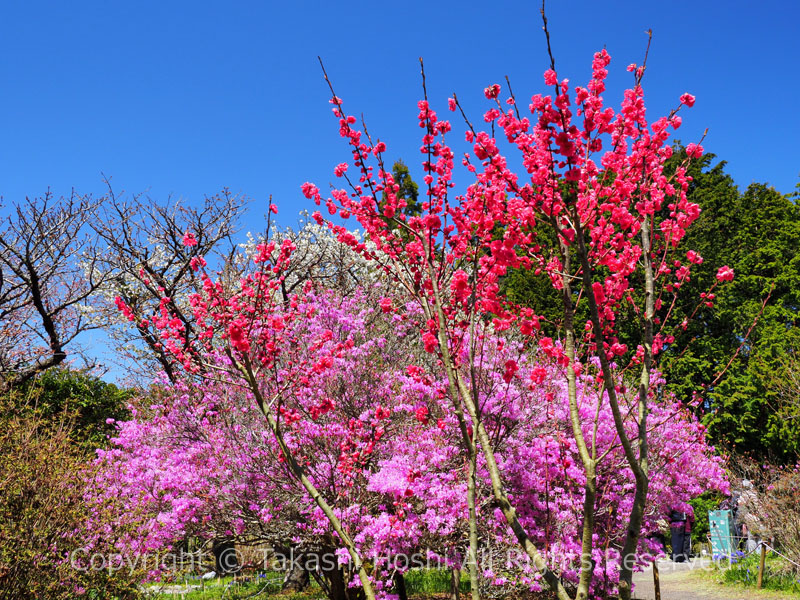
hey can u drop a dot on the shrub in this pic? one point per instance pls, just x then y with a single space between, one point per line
42 512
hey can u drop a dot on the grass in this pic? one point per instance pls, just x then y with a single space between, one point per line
432 581
228 588
744 573
434 584
419 582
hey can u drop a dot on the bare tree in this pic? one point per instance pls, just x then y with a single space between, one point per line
148 265
48 276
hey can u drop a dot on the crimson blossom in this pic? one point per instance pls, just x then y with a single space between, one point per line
594 212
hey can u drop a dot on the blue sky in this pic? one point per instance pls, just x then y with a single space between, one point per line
185 98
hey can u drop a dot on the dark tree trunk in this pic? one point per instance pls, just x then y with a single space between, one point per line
317 563
225 559
338 590
455 583
400 585
296 578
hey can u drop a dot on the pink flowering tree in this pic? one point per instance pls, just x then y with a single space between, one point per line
529 420
199 460
594 179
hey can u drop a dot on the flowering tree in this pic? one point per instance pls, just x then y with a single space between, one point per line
594 179
528 418
269 344
199 461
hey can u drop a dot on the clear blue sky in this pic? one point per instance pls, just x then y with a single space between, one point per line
185 98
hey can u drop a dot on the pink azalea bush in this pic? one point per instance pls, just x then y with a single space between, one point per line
384 445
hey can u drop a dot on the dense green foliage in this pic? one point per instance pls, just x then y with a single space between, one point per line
701 505
756 232
87 400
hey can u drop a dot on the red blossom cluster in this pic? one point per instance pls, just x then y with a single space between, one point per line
592 173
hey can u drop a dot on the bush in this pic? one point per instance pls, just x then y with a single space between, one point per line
89 401
774 504
43 512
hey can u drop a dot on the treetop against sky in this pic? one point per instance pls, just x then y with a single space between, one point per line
186 98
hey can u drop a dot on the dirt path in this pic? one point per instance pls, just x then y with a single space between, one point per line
686 581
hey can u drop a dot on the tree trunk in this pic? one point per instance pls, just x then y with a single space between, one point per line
588 456
296 578
298 472
462 397
641 467
225 559
338 590
338 583
455 583
400 585
474 581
